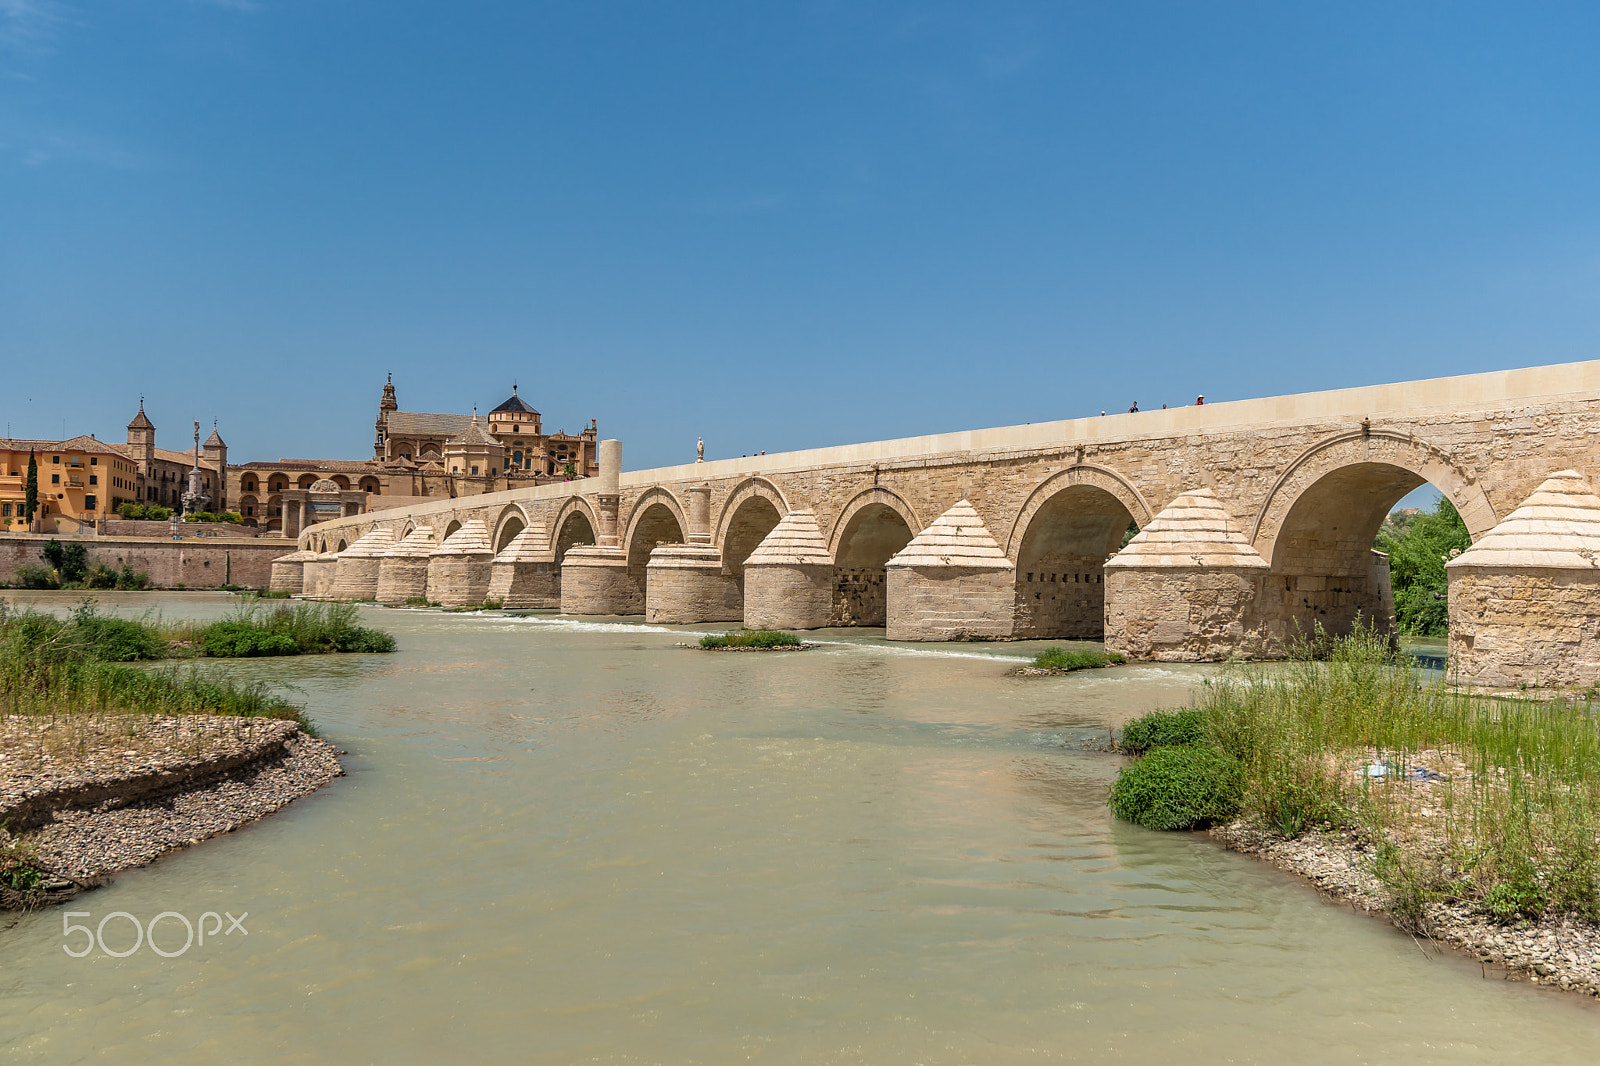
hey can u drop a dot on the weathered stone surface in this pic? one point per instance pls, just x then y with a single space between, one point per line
288 571
356 575
1525 599
596 581
686 583
952 582
525 575
403 570
318 575
788 579
459 569
1186 588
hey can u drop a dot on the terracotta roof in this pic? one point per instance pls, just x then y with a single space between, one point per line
1191 531
474 434
424 424
1558 526
183 458
795 540
957 538
76 444
514 404
337 466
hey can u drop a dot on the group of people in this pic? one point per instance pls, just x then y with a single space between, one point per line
1199 401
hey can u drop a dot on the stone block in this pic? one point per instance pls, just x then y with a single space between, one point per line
685 584
596 581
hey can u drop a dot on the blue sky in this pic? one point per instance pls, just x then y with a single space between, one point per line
777 225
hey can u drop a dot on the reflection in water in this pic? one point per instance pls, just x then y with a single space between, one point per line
577 842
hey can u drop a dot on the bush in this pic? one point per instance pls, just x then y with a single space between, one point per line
69 560
29 576
751 638
131 511
241 640
1186 787
118 640
1163 729
156 513
1064 660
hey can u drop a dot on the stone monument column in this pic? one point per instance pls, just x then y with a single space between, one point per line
594 580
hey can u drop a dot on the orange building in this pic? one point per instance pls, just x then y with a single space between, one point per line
81 481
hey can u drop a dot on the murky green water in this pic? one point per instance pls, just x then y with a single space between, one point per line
573 843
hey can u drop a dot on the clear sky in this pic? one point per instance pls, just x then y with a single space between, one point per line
777 225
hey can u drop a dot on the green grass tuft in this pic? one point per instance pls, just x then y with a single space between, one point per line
751 638
1062 659
1163 729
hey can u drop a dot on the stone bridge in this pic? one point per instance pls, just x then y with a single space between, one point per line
1257 518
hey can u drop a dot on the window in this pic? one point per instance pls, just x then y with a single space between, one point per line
55 479
516 429
474 470
89 503
94 479
56 459
94 461
5 510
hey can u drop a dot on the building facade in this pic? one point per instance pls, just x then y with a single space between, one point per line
80 481
417 456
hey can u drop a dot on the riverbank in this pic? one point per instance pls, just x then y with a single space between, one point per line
1561 952
86 796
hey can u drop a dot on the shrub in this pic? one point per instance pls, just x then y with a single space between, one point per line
750 638
69 560
130 511
157 513
118 640
241 640
1062 659
1163 729
1186 787
127 579
29 576
361 639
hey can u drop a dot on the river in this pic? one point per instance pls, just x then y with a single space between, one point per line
564 842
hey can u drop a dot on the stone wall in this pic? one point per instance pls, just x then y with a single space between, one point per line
949 603
793 596
1524 626
1064 598
123 527
860 596
195 564
1181 615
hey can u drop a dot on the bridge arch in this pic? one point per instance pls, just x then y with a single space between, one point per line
873 526
450 528
575 525
1317 525
511 520
648 508
750 512
1071 523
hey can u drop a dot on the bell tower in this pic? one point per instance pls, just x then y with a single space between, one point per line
381 427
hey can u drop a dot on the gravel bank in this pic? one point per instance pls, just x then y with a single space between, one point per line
95 796
1558 952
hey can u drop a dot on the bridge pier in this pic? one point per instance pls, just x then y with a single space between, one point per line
458 569
1186 588
356 574
403 570
687 583
788 579
524 575
952 582
319 575
1525 599
288 571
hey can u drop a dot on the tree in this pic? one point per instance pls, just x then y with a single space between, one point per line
30 495
1417 554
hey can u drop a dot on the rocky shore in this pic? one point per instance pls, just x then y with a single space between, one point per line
92 795
1557 952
